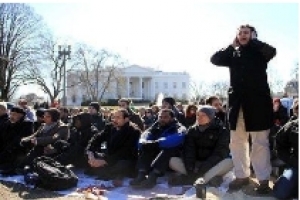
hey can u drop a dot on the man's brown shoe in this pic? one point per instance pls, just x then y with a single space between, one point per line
238 183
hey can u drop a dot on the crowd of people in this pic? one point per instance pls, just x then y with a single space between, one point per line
186 142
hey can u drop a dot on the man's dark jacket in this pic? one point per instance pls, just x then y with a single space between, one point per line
11 135
136 118
78 141
249 84
98 121
209 147
120 145
3 119
287 143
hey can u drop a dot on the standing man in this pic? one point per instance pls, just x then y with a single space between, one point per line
250 105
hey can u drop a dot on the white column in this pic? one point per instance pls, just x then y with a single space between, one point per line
152 94
128 86
148 89
141 87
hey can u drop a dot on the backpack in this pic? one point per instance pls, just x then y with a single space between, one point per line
52 175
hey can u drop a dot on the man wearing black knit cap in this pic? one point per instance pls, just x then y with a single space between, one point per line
169 103
97 117
11 134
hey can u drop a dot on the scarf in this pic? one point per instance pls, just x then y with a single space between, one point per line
48 127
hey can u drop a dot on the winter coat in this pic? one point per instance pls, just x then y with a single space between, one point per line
11 135
148 121
189 121
3 119
209 147
287 143
120 144
136 118
280 116
78 141
249 87
98 121
59 132
168 136
179 115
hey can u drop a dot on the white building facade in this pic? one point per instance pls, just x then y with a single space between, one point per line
141 83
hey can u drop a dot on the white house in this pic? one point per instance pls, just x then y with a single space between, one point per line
139 83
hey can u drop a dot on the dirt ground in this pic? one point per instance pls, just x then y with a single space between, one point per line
15 191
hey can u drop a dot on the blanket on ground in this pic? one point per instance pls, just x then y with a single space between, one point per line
125 192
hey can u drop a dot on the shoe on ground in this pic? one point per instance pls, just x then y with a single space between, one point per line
263 188
137 181
238 183
149 183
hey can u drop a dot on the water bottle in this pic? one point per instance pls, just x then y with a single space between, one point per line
200 187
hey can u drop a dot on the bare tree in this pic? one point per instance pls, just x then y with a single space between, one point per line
97 71
295 71
49 72
276 83
20 32
219 88
198 90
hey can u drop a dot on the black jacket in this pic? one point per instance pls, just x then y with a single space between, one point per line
73 152
281 116
189 121
249 83
3 119
136 118
210 146
98 121
287 143
120 145
12 133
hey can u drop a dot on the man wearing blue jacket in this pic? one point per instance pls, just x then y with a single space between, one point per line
158 145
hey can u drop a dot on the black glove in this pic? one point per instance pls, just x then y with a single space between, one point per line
26 144
61 146
150 145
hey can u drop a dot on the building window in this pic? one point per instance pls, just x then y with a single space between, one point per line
183 85
184 96
143 85
156 85
174 85
165 85
74 98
